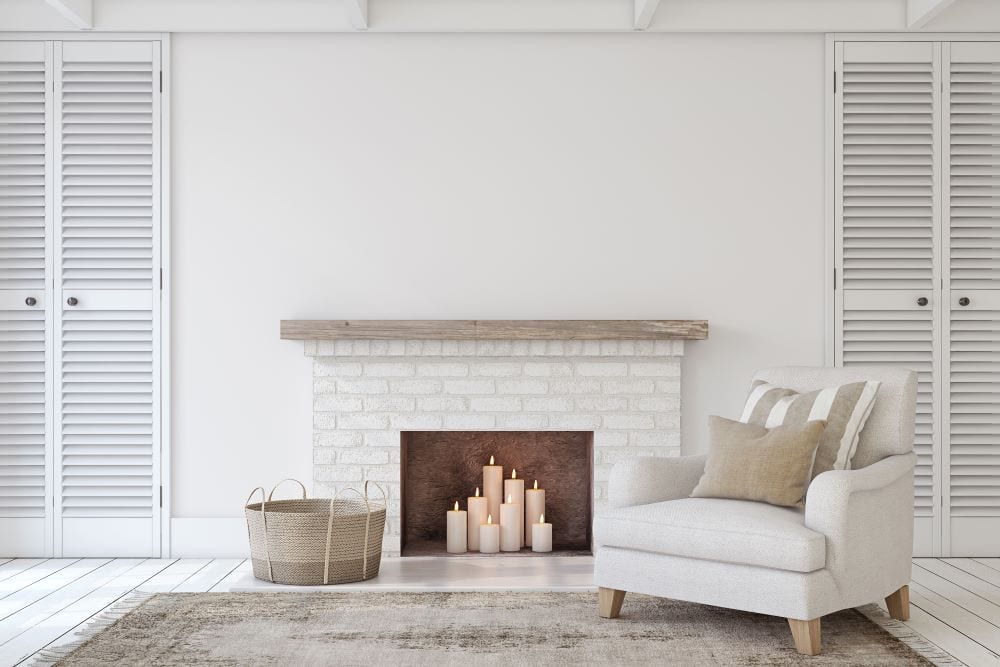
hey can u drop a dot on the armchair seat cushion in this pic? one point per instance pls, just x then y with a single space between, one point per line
730 531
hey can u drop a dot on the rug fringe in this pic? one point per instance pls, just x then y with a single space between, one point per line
50 656
907 635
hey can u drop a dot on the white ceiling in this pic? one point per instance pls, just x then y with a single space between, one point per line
501 15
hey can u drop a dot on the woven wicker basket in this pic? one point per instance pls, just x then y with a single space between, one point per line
316 541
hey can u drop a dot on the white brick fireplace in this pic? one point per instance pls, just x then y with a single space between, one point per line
366 391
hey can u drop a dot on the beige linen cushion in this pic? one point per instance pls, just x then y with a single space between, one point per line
750 462
844 408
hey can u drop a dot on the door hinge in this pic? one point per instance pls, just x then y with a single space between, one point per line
161 80
834 279
835 82
161 496
161 278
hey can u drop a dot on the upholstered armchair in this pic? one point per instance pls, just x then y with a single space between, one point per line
851 545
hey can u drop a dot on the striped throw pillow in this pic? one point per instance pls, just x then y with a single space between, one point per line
844 409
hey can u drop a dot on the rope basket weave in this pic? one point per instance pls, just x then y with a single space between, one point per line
316 541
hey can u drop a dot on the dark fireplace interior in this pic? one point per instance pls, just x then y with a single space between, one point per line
440 467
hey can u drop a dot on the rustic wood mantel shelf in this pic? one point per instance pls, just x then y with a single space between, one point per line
495 329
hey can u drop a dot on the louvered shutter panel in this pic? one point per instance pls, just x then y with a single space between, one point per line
972 271
107 225
25 99
887 121
886 136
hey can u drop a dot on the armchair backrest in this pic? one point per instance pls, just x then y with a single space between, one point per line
889 429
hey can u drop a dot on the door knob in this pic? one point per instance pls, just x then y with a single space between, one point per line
922 301
72 301
31 301
964 301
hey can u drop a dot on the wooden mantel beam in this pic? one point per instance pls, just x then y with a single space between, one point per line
494 329
79 12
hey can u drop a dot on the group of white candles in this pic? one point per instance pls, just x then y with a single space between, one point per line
521 518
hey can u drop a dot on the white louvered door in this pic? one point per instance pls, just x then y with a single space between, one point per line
80 298
25 447
887 111
971 298
917 228
107 291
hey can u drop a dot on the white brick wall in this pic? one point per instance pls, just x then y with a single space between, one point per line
366 392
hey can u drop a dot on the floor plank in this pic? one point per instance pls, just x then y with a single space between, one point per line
208 576
974 627
175 575
976 569
963 578
18 565
989 562
241 570
27 596
33 575
953 590
926 619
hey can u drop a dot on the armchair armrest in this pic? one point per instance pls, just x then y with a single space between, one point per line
829 494
867 518
645 480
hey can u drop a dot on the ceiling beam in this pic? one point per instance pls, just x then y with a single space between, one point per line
357 13
921 12
644 10
511 16
79 12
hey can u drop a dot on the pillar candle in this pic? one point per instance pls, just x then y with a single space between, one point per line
511 517
534 507
514 488
489 536
541 536
493 487
477 517
457 528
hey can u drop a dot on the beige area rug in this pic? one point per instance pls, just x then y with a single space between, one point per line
461 629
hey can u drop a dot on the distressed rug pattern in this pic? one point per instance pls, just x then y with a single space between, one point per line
461 628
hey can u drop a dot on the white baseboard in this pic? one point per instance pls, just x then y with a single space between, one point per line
211 537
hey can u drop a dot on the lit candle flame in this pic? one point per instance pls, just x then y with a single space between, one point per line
536 483
513 473
491 459
477 492
541 518
489 518
456 505
508 498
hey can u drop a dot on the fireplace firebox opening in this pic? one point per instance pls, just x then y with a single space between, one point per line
439 468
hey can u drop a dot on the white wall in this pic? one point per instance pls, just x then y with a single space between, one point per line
479 176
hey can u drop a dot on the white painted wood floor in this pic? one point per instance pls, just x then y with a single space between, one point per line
955 601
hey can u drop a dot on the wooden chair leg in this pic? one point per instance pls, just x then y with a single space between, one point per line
806 635
899 604
609 602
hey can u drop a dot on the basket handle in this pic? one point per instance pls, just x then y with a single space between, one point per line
385 499
262 495
263 515
368 521
287 479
